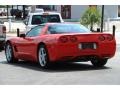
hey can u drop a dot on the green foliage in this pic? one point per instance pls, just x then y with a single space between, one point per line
91 17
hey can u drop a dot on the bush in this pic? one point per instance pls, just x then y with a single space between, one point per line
91 17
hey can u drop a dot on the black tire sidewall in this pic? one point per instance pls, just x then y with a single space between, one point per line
99 63
12 60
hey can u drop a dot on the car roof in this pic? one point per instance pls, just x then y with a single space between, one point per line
45 13
64 23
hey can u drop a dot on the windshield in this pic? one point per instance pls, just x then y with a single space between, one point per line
39 19
67 28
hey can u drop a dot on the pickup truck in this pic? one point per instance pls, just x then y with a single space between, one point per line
2 36
35 19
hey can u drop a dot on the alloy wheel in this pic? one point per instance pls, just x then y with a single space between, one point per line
8 52
42 57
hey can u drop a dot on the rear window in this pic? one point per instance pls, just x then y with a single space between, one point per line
39 19
67 28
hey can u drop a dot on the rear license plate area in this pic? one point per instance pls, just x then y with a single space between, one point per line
88 45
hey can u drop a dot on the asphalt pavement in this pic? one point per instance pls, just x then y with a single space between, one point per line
83 73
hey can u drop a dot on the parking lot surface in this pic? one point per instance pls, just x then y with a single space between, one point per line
60 74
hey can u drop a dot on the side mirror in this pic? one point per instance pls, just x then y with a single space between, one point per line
22 35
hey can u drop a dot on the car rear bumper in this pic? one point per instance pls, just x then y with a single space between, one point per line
73 52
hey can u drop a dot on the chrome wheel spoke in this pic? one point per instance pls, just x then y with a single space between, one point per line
8 52
42 56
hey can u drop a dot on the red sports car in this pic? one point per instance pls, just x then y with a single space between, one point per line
54 42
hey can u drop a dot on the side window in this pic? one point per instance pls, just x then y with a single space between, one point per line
54 18
36 19
34 31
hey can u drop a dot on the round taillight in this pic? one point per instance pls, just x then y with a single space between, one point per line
101 38
63 39
73 39
109 38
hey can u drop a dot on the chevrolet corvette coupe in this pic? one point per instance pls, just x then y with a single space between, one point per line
53 42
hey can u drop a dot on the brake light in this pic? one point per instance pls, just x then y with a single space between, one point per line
4 29
63 39
73 39
109 37
101 38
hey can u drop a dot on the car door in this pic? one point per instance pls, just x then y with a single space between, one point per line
27 46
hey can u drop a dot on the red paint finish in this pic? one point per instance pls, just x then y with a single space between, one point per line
105 49
65 46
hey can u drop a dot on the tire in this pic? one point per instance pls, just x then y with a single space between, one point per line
1 48
2 44
99 62
9 53
43 57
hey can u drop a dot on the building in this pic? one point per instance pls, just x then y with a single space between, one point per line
76 11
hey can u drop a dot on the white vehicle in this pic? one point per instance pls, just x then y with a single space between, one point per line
2 36
37 10
35 19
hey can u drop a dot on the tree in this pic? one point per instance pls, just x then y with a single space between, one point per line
91 17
